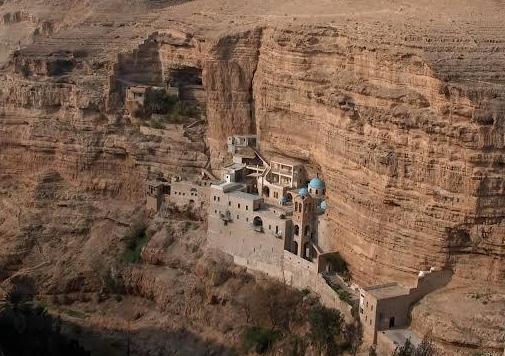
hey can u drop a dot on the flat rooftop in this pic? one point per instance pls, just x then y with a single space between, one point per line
228 187
386 291
400 336
245 196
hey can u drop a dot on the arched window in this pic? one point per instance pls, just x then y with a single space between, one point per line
266 192
294 247
297 230
306 230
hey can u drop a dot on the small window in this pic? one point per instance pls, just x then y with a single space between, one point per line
269 227
229 203
218 199
247 207
247 219
215 211
370 321
237 217
214 198
238 205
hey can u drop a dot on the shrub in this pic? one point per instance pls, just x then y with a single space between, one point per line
272 305
155 124
112 282
425 348
325 327
135 240
261 339
161 103
338 264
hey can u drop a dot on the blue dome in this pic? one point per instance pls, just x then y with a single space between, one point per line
323 205
317 183
303 192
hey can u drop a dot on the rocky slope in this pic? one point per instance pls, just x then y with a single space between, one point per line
399 105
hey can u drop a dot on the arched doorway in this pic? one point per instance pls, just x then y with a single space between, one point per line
258 224
294 247
266 191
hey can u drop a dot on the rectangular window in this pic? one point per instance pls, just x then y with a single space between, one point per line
247 207
247 219
238 205
229 203
269 227
218 199
237 217
214 198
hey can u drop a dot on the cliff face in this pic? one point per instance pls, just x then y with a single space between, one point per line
400 108
407 130
413 162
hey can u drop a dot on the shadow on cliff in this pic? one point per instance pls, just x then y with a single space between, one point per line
145 341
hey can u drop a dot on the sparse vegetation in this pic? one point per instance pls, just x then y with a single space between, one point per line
326 329
425 348
338 264
169 110
135 240
260 339
278 314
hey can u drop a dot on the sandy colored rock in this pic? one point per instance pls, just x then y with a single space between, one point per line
399 105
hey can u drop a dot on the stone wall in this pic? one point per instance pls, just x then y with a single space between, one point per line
301 274
429 283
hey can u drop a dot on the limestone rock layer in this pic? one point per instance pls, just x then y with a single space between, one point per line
399 105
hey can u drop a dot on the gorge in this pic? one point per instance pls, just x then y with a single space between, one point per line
399 105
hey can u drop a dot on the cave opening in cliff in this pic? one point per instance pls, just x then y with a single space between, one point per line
188 83
185 76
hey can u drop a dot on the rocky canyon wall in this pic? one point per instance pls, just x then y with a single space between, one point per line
404 126
413 162
412 159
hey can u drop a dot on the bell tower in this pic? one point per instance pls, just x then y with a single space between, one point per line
304 208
